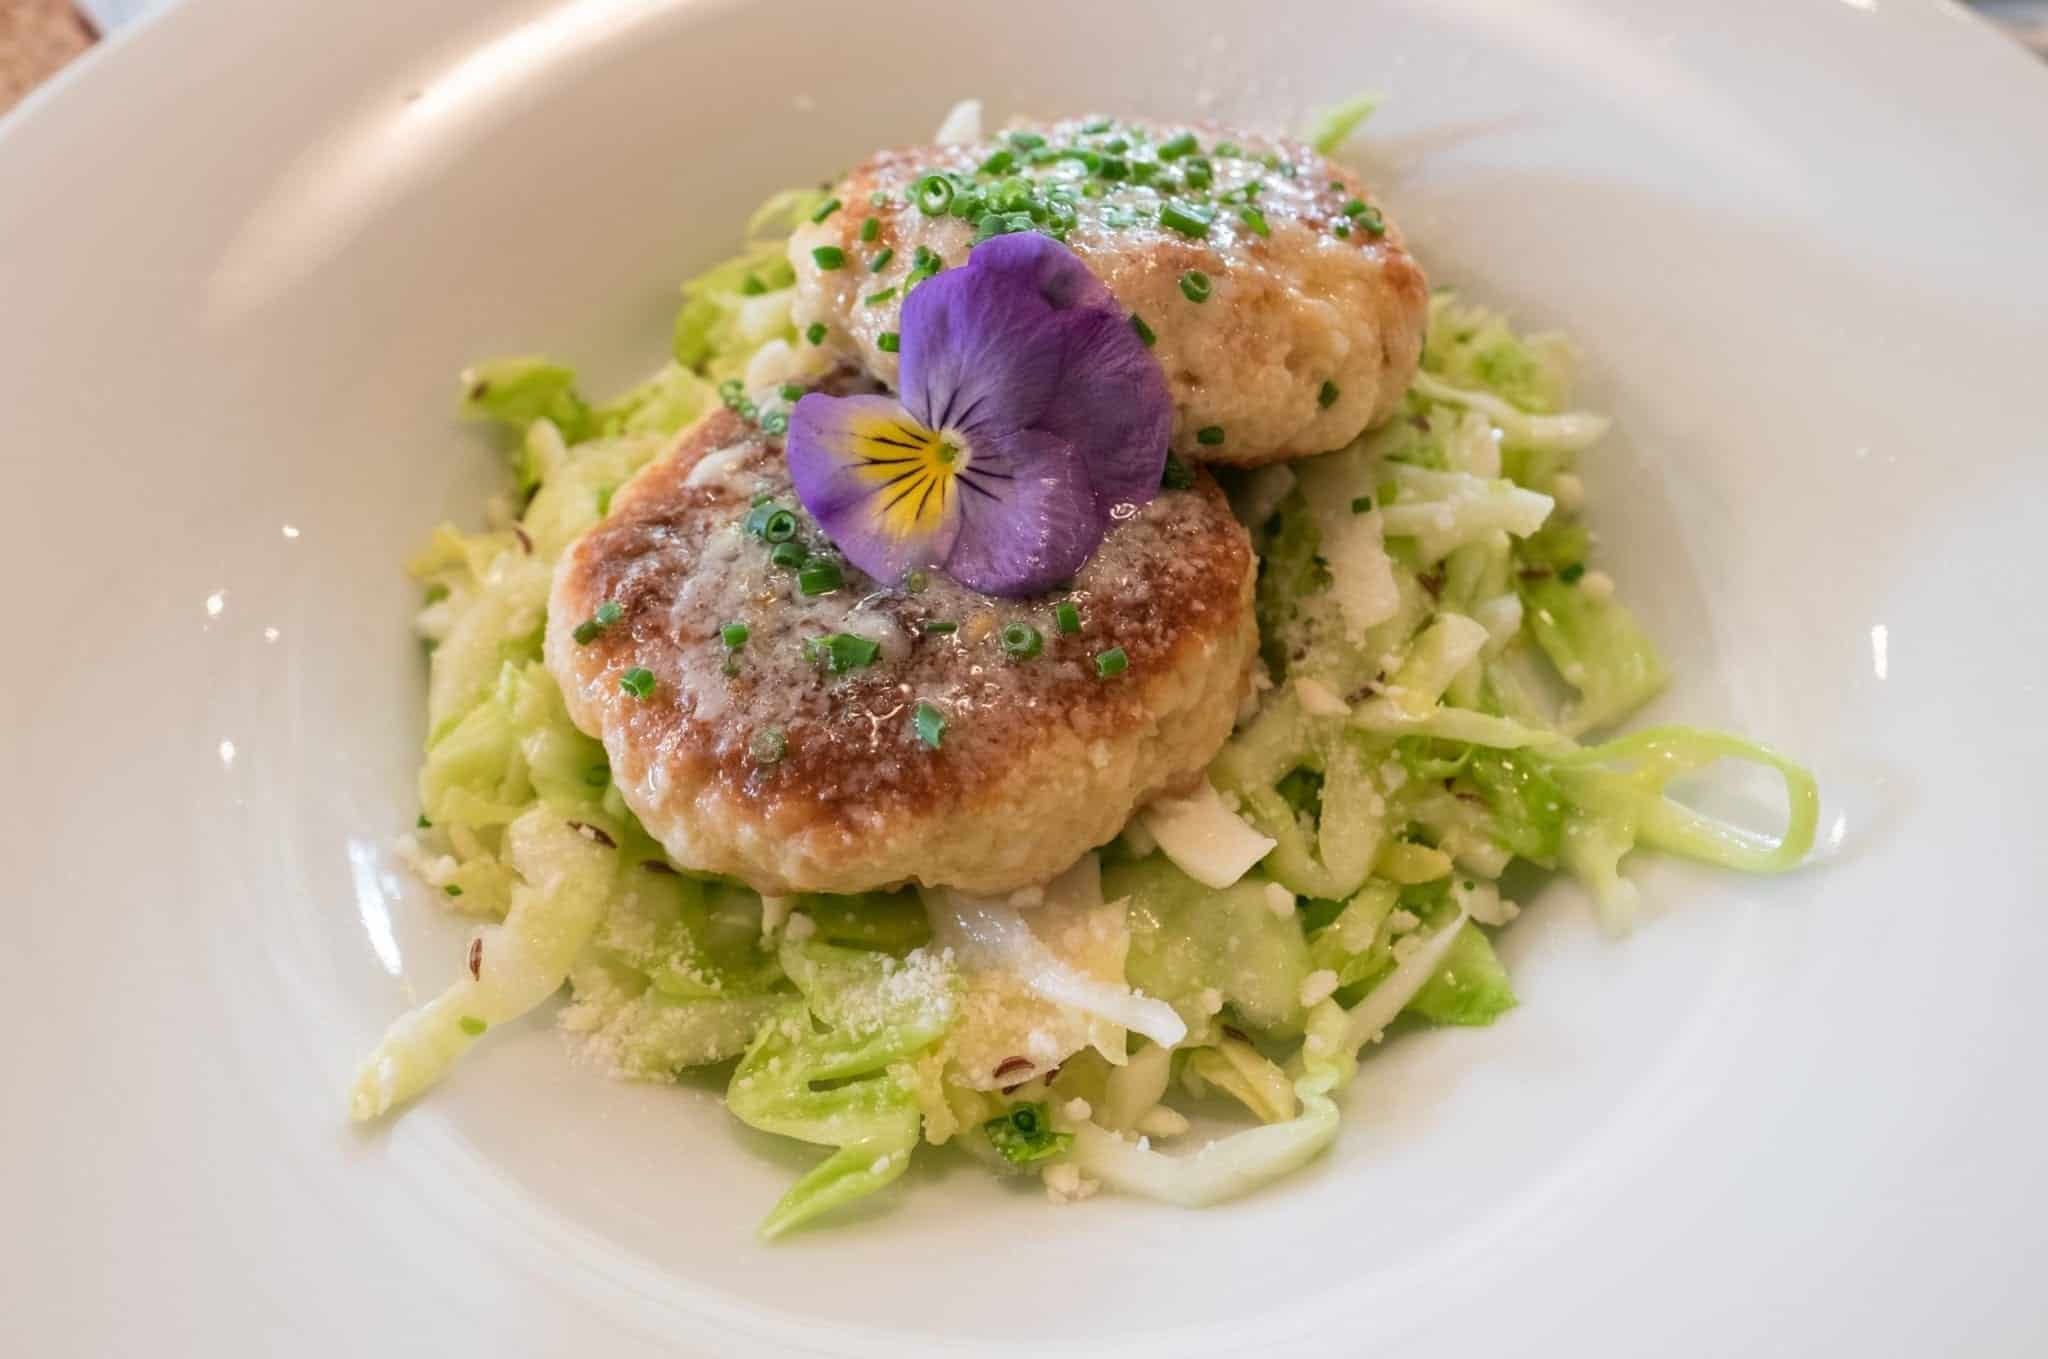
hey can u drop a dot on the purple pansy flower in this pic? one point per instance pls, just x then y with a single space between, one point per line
1029 410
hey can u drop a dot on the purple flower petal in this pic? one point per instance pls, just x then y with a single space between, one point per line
1030 410
1113 407
1025 337
980 348
875 481
1028 515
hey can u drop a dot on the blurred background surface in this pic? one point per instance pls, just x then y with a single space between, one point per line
39 37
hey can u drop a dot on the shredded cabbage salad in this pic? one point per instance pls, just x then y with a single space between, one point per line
1441 666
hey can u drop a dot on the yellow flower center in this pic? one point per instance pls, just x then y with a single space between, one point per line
915 470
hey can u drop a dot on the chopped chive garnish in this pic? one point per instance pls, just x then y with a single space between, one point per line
1173 148
1176 476
1570 575
1186 218
639 681
928 258
1360 504
918 581
751 286
789 554
734 635
423 823
452 890
840 652
1144 331
779 527
820 576
888 341
829 256
1254 219
1371 221
1116 145
1026 141
877 299
592 627
815 332
881 260
999 162
1228 149
1066 617
1197 173
1209 435
1327 397
768 746
1342 229
775 422
790 391
938 627
871 228
1194 286
1022 641
1001 224
1114 167
1111 663
1095 126
825 209
471 1025
930 724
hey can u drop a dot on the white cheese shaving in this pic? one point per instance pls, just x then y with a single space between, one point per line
961 125
1137 839
778 362
1353 545
1366 1021
1279 901
1318 699
1204 838
1484 903
716 465
1501 616
1318 986
1569 491
1160 1121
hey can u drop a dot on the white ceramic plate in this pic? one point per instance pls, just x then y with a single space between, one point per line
243 252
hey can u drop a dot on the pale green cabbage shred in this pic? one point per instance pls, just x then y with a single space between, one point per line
1399 764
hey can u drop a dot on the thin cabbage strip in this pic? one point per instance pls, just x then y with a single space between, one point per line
1624 779
1237 1164
515 966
